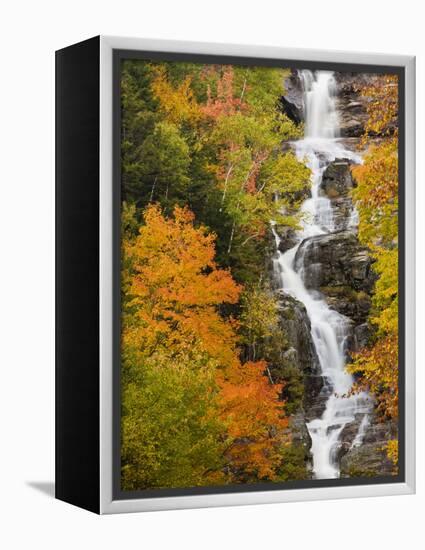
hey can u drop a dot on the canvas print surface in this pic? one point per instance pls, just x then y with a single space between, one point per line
259 275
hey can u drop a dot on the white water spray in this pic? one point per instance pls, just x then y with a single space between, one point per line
329 329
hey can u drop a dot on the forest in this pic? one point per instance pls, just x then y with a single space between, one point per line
217 387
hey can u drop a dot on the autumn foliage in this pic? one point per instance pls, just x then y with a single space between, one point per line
192 412
203 174
173 286
376 197
223 102
203 143
252 413
177 103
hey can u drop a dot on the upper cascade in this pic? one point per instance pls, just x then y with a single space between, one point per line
321 118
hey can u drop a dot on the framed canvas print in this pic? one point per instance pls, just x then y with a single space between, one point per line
235 274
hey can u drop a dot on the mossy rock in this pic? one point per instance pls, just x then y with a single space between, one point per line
368 460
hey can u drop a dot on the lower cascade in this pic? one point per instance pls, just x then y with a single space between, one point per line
329 328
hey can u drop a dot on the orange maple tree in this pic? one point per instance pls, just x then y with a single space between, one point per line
172 288
251 409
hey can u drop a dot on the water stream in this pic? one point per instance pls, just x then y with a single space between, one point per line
329 329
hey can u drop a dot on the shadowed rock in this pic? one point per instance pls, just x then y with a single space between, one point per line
370 458
292 103
338 260
337 184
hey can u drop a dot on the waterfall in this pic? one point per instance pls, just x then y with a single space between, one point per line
329 329
321 120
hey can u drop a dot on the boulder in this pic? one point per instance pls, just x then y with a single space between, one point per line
362 334
337 180
353 304
317 392
299 431
292 102
291 110
351 105
300 355
344 216
370 458
288 238
340 268
296 326
352 127
335 260
337 183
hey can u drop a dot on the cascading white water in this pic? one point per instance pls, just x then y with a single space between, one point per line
328 328
321 120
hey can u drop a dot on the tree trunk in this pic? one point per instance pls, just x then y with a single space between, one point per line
229 171
153 189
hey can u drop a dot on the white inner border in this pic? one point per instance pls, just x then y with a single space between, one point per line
107 504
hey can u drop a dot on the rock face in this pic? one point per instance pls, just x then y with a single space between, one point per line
369 459
291 110
351 105
336 264
335 260
300 435
288 238
295 362
301 355
296 324
336 180
292 103
340 268
337 184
